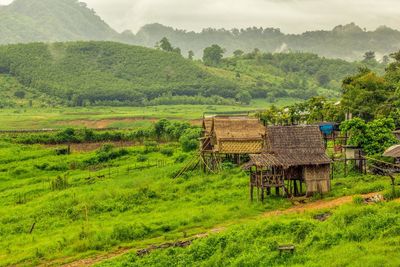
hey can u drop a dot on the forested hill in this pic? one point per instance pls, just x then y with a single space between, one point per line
109 73
93 72
348 42
25 21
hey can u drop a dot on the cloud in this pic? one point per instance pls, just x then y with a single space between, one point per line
292 16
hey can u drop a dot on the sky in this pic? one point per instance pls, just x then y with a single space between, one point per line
291 16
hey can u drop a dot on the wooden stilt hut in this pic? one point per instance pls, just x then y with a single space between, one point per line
230 137
292 156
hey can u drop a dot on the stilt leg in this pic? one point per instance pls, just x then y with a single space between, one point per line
296 191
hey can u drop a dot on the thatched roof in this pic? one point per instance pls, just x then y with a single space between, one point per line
235 128
288 146
393 152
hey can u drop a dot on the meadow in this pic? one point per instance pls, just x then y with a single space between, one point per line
352 235
116 117
60 208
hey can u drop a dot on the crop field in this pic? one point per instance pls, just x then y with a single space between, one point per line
115 117
57 209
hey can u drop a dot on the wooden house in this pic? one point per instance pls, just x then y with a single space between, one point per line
393 152
233 136
292 154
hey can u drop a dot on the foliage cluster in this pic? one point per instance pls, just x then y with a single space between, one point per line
373 137
368 95
315 110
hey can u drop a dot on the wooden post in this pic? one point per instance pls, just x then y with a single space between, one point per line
251 191
296 192
301 187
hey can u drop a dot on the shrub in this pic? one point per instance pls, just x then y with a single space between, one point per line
181 158
190 139
130 232
60 183
150 146
358 200
167 151
142 158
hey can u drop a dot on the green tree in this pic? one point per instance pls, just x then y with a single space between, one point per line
190 55
165 45
20 94
373 137
212 55
365 94
238 53
323 78
369 56
244 97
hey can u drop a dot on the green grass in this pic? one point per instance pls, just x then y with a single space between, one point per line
122 117
132 207
352 235
148 201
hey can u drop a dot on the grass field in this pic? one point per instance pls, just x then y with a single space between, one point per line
352 235
63 208
115 117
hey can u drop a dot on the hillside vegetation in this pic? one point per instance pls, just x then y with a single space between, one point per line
348 42
354 235
58 207
115 74
25 21
51 20
104 72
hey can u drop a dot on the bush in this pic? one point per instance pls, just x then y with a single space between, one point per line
190 139
358 200
107 153
126 233
142 158
150 146
167 151
181 158
60 183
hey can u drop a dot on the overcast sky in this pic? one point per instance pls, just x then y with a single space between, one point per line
291 16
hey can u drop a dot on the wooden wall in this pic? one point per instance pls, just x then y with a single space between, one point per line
317 179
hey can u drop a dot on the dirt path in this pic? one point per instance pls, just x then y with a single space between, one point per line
313 206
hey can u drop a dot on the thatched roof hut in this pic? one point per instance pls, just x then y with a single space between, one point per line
300 152
392 152
289 146
234 135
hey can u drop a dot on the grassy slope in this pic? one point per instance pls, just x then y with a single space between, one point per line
355 235
135 208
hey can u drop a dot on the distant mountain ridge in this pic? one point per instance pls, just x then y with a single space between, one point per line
348 42
25 21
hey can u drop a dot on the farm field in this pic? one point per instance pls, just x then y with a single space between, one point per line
58 209
115 117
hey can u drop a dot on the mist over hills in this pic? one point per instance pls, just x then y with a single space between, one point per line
26 21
